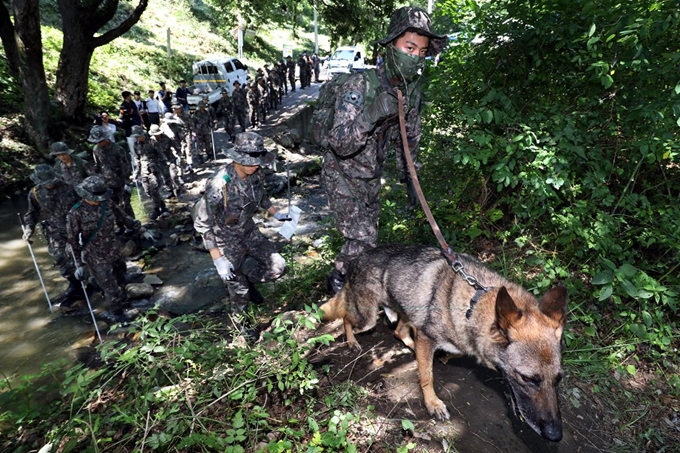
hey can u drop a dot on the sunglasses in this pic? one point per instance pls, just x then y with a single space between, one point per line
257 153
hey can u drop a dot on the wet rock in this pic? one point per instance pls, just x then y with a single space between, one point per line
173 240
153 279
296 135
185 237
139 290
128 249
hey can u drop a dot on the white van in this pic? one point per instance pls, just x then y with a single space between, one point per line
346 59
210 76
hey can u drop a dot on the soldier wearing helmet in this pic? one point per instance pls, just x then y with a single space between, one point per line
366 125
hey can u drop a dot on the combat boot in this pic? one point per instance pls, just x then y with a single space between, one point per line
73 293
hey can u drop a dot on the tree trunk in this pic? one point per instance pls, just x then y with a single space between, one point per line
27 47
72 75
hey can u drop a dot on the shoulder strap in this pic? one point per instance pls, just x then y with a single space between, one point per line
99 224
371 85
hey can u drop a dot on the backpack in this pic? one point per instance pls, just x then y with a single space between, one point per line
324 111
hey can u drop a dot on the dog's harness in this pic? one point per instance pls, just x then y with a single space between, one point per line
450 255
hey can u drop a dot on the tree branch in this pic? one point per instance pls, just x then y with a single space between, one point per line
122 28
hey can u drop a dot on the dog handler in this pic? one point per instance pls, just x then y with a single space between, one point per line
224 217
366 126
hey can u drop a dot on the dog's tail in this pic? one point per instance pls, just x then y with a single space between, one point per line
335 308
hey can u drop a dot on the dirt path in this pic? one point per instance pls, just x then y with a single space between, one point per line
482 419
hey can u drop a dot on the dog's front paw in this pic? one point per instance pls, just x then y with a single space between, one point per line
437 409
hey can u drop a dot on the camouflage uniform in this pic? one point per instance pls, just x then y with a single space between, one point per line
224 217
183 129
290 67
263 100
359 144
202 122
254 104
72 173
151 160
90 231
112 163
52 205
170 169
302 64
240 107
225 110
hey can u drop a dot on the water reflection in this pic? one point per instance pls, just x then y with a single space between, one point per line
29 334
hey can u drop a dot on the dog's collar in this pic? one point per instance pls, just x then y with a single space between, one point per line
472 281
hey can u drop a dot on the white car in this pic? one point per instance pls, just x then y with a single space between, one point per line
346 59
211 75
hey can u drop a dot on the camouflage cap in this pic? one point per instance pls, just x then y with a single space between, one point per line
411 18
98 134
155 129
249 150
44 174
224 90
93 188
57 148
137 131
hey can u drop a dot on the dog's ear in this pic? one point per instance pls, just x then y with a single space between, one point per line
553 304
507 312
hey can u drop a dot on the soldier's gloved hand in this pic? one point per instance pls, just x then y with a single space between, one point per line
383 106
281 217
224 268
79 274
28 232
137 225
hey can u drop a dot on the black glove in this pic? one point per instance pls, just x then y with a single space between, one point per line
382 107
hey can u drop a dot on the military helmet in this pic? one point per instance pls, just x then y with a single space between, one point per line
93 188
224 91
137 131
57 148
44 174
155 129
411 18
98 134
249 150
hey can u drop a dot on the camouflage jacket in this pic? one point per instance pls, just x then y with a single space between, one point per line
75 173
51 205
113 164
90 231
183 125
360 153
226 209
290 66
253 96
150 155
263 93
225 107
202 120
240 100
164 143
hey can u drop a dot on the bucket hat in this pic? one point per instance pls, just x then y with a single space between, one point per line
137 131
249 150
93 188
155 129
57 148
44 174
98 134
411 18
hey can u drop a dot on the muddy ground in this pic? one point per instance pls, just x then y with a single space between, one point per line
482 418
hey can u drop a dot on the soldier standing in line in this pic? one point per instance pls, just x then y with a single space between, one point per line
50 200
366 126
184 128
240 105
279 82
316 64
302 63
90 230
151 159
290 66
263 98
202 122
225 111
68 166
254 104
241 254
112 163
282 75
171 168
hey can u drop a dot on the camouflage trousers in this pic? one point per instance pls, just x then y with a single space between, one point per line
110 277
204 143
187 151
355 204
122 198
241 117
227 123
171 176
61 253
255 260
151 182
254 114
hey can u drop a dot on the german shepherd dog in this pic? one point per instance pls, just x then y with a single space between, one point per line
504 326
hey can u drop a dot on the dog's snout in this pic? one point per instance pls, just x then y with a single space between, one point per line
552 430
